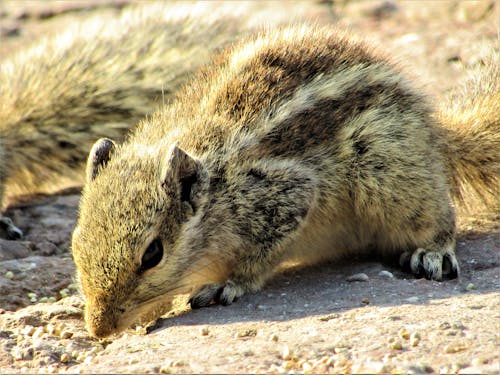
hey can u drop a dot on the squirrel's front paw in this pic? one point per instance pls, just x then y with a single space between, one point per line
8 230
433 265
215 293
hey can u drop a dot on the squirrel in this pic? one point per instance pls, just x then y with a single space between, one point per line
100 77
298 144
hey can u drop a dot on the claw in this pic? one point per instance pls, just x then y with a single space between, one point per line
11 232
214 293
205 296
432 265
450 267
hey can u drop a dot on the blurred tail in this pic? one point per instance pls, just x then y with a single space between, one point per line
471 121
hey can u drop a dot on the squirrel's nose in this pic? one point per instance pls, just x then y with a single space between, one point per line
101 323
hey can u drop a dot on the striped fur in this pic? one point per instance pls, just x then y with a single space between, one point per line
296 145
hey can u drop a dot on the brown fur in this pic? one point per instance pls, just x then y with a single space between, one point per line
297 145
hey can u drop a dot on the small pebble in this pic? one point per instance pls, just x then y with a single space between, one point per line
274 337
179 363
330 361
444 325
387 274
414 338
455 347
396 344
358 277
470 286
329 317
286 354
306 366
64 358
404 334
394 318
458 325
18 356
33 297
204 331
247 333
28 330
9 275
165 370
66 334
248 353
38 333
50 329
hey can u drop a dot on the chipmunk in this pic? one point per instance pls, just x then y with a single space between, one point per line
102 76
298 144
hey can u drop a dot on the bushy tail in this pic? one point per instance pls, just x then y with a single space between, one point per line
471 121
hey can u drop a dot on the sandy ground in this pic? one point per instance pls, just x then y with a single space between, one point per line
305 320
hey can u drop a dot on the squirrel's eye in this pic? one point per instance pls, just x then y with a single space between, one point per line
152 256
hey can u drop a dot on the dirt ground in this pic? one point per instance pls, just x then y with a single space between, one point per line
313 320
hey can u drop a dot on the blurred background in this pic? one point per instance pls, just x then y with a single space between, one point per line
433 39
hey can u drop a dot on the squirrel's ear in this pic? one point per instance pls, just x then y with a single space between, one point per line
98 157
181 175
178 165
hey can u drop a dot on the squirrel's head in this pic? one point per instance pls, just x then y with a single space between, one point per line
127 245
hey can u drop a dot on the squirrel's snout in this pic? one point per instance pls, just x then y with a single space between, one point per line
102 323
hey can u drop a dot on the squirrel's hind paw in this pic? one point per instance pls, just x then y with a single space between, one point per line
432 265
